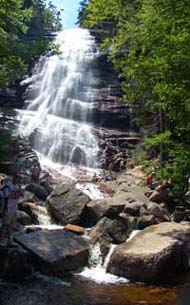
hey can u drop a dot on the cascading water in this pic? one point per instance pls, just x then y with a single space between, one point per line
60 100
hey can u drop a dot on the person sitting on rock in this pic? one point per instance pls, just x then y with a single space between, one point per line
166 185
151 181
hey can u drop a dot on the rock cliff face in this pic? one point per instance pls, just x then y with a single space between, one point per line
109 109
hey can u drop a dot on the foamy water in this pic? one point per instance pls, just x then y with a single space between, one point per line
97 270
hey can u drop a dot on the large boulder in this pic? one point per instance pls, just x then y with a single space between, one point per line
27 197
15 263
38 190
155 254
108 207
23 218
109 231
66 204
55 252
158 210
47 185
30 209
133 208
160 197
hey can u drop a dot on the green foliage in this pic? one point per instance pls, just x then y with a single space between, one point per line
98 11
157 140
140 157
150 50
24 28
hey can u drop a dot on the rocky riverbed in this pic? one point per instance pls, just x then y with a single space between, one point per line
111 219
101 213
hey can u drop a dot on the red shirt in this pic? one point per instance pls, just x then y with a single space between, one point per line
149 180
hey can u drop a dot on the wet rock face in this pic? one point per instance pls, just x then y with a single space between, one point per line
109 110
55 252
155 254
66 204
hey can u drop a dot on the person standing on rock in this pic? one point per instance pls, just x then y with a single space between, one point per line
11 192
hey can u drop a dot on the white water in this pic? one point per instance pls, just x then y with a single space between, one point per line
59 101
133 234
97 270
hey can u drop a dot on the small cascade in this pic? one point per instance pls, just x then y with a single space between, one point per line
59 101
97 269
43 217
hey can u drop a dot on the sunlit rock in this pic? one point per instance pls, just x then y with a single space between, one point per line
156 254
66 204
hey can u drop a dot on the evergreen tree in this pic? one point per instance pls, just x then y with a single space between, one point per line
24 25
150 51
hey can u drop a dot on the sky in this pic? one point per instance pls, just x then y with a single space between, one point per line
69 15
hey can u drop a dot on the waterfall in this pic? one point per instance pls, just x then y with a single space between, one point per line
59 101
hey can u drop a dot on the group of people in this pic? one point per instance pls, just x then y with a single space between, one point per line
153 184
10 192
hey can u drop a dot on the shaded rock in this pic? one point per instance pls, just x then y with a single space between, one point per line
46 184
27 197
55 252
159 197
108 231
187 215
96 209
146 221
66 204
133 208
158 211
38 190
155 254
30 209
23 218
143 211
179 214
132 222
15 264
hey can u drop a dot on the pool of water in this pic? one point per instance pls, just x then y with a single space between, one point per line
77 290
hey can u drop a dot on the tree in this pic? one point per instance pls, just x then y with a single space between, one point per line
24 25
151 54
